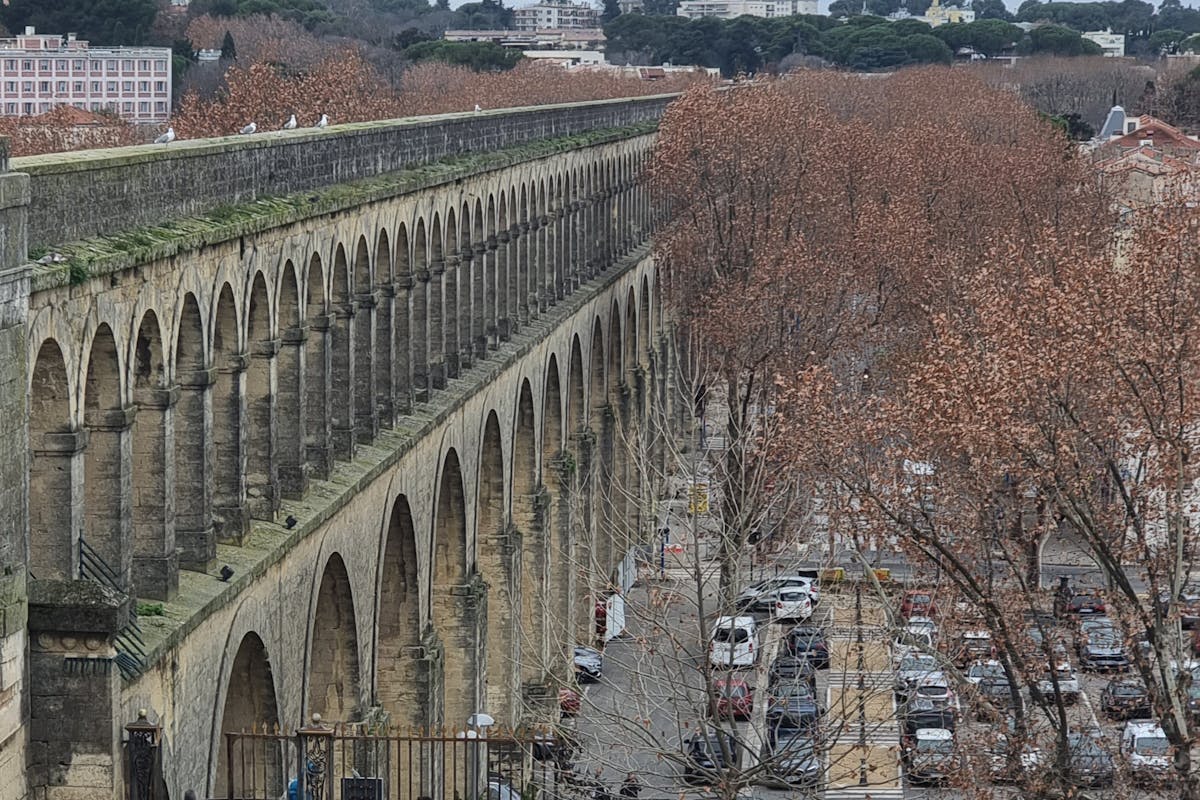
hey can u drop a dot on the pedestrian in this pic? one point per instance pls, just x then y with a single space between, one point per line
599 789
631 788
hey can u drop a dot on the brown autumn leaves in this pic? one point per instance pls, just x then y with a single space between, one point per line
929 273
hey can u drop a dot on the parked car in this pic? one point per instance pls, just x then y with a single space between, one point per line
808 641
985 670
994 697
735 698
1071 601
748 597
919 635
1088 763
917 603
1146 752
1006 767
930 755
785 604
974 646
1188 604
570 701
791 759
793 704
731 643
785 669
589 664
912 668
1103 649
1125 698
930 704
708 755
1062 680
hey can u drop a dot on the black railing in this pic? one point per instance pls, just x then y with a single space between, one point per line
131 649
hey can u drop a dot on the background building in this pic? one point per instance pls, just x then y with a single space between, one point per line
1113 44
556 16
41 71
728 9
548 39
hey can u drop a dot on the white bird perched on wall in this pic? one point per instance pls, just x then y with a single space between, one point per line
251 128
290 124
477 108
323 122
167 137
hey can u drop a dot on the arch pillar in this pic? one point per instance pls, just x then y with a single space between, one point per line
563 623
366 415
341 390
108 467
452 281
385 357
481 311
229 487
504 260
195 537
532 510
402 381
293 417
437 331
155 557
262 467
582 518
463 617
57 472
317 434
465 312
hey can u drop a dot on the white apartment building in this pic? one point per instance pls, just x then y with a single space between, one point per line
728 9
561 16
1113 44
40 71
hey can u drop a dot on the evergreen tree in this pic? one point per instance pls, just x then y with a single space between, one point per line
228 50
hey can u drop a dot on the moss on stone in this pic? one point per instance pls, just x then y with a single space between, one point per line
109 254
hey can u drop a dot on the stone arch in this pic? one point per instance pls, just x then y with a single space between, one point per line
155 562
384 314
333 673
420 314
437 306
291 375
597 396
629 333
229 474
54 521
504 264
599 421
250 704
494 541
529 521
576 389
491 257
402 692
451 283
317 372
402 327
644 344
194 539
454 608
342 367
262 468
478 314
107 457
524 253
366 420
557 472
465 286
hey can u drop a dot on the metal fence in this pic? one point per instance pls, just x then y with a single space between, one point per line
358 762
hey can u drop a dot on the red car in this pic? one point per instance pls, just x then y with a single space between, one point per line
917 603
735 698
570 701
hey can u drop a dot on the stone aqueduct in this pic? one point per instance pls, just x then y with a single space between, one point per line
413 424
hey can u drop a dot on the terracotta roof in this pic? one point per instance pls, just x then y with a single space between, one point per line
70 115
1156 131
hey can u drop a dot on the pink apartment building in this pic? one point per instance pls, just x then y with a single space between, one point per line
40 71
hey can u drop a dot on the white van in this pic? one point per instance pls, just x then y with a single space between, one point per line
731 643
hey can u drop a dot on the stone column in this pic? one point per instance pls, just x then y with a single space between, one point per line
108 463
479 300
586 547
491 295
194 534
437 325
155 557
366 416
57 472
452 280
503 265
419 336
462 677
292 425
229 463
260 439
341 389
468 263
75 698
527 272
402 385
384 361
317 413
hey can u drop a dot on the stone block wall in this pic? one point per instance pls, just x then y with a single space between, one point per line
78 195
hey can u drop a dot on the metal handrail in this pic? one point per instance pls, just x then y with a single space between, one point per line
131 648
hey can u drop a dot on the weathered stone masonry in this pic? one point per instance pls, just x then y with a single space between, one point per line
390 404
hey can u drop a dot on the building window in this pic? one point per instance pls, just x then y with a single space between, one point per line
10 108
126 86
62 87
143 108
44 87
160 107
10 64
95 106
10 86
27 65
111 64
78 63
144 65
127 107
28 108
96 87
44 65
78 87
61 65
112 87
43 108
27 87
160 66
97 66
143 86
160 86
127 65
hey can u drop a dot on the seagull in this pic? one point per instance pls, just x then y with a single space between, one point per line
477 108
251 128
323 122
290 124
167 137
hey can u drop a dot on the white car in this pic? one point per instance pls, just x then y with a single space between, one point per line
731 643
750 595
791 603
918 636
1146 751
1068 684
985 670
